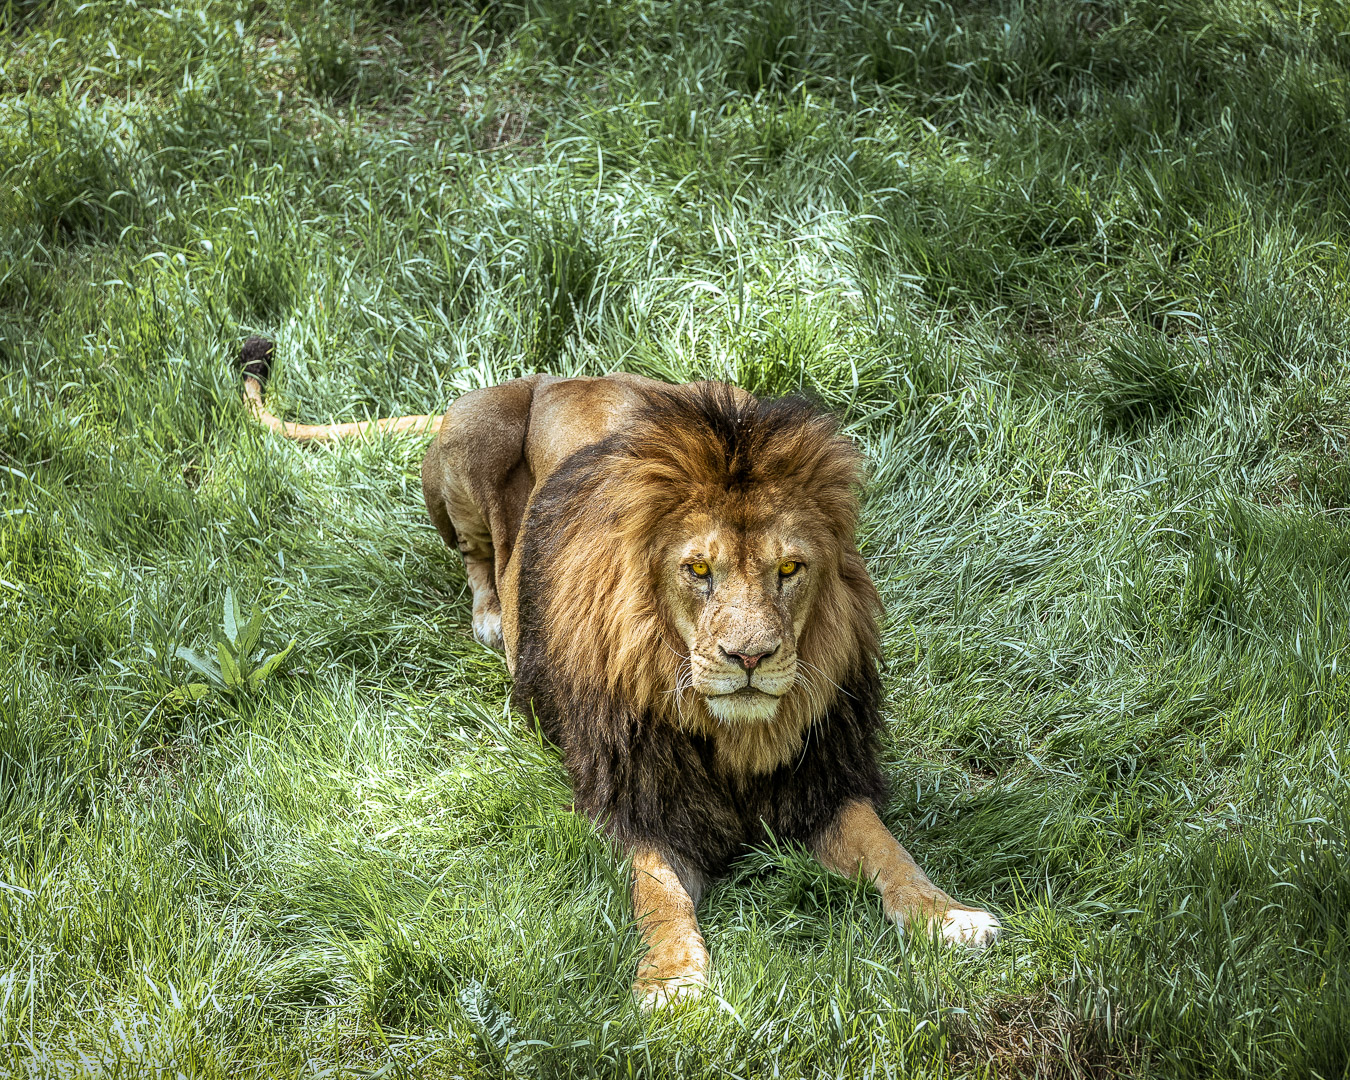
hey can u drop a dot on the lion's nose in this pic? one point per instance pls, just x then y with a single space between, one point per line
745 659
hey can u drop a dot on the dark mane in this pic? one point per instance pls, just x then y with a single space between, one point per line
595 654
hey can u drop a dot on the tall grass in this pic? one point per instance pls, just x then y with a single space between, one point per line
1075 276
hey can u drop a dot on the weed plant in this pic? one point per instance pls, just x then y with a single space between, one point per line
1075 274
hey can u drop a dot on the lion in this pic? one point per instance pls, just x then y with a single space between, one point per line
672 574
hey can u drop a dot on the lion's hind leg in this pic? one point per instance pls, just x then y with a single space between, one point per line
476 484
859 844
675 968
473 540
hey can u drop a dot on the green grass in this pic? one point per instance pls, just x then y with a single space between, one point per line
1077 276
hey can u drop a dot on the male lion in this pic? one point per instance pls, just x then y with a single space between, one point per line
672 574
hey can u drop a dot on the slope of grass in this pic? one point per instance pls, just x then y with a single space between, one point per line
1075 274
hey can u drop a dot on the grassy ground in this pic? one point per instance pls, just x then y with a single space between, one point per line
1077 275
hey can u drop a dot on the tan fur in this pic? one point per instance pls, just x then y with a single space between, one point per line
676 963
860 845
329 432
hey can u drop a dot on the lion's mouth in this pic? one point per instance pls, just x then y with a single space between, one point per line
744 705
745 694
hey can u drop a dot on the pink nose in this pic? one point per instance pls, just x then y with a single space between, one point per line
747 660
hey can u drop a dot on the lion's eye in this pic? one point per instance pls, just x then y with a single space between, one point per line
787 567
700 569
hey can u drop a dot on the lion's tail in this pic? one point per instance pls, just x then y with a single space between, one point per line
255 358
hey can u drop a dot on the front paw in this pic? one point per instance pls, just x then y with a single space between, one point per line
487 628
967 926
674 972
652 994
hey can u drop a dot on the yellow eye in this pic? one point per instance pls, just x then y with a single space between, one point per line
699 569
787 567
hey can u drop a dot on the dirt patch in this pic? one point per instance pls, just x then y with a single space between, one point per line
164 762
1035 1036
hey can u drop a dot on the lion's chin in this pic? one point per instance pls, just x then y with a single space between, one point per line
745 706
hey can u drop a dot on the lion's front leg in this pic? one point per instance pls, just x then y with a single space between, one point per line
676 965
858 844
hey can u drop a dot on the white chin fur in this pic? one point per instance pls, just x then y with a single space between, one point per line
736 709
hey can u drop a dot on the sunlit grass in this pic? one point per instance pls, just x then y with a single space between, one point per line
1074 274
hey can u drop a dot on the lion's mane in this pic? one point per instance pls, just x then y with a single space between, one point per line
599 661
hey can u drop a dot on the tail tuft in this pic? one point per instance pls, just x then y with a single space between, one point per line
255 358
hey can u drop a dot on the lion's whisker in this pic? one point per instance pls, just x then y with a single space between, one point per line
684 678
822 674
813 691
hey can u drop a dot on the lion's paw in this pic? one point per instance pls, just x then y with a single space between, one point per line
487 628
654 994
973 929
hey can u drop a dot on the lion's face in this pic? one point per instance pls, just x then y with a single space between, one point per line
739 599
